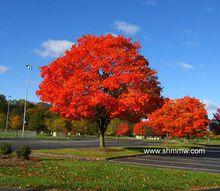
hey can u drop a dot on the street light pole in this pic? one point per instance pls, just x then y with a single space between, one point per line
7 116
29 67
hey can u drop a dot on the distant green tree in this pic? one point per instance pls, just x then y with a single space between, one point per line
57 125
43 106
37 115
3 104
15 122
17 107
48 123
113 125
84 127
36 119
2 120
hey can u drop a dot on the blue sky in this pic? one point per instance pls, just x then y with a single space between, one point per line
180 38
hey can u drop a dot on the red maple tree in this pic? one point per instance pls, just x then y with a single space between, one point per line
100 78
140 128
186 117
122 129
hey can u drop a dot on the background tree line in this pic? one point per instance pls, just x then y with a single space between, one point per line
39 118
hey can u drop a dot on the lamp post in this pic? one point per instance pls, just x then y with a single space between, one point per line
29 68
7 116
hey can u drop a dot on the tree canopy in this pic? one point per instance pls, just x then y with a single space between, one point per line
123 129
185 117
101 78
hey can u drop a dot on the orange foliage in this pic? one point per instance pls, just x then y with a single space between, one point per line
186 117
101 77
140 128
122 130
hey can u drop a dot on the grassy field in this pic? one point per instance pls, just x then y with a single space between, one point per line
192 143
93 153
71 174
93 175
195 142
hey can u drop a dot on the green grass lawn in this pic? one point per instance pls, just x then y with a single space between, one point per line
69 174
94 153
190 144
93 175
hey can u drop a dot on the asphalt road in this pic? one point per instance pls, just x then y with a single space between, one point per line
208 162
81 143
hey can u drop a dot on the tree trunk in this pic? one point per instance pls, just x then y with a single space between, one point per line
102 124
167 138
102 140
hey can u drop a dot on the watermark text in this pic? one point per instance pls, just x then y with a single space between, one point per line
169 151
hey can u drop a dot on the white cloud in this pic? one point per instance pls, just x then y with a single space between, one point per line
210 106
53 48
151 2
190 43
127 28
185 65
3 69
192 40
